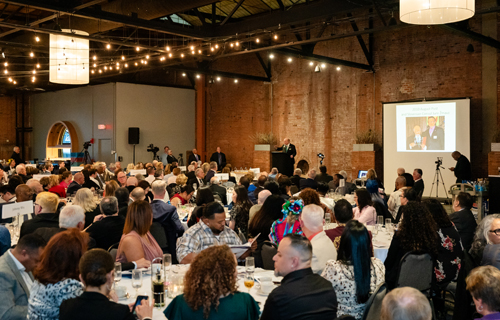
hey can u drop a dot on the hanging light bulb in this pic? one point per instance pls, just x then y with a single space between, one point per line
137 49
311 63
232 45
170 55
323 66
32 54
110 68
108 46
235 80
192 52
38 65
5 71
100 71
182 55
338 68
33 79
10 79
92 71
192 48
123 57
271 56
275 37
95 65
15 82
237 43
34 71
197 76
212 49
167 48
216 46
183 74
147 56
199 51
94 57
5 64
145 61
118 64
290 60
136 64
37 39
257 40
105 68
126 65
218 78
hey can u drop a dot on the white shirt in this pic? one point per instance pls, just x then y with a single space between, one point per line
22 271
323 250
394 203
172 179
150 179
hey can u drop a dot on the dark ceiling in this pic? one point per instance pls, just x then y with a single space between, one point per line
169 36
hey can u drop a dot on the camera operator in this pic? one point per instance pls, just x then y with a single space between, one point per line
462 169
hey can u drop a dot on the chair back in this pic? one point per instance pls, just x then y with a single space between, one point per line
269 249
416 271
294 189
113 250
374 303
158 233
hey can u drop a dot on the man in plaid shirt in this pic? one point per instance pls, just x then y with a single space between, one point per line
210 231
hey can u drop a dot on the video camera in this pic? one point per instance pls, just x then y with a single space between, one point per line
153 149
320 155
439 161
87 144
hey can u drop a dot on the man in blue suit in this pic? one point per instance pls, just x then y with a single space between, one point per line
166 215
16 278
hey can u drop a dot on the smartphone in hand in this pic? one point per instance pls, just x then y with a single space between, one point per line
138 302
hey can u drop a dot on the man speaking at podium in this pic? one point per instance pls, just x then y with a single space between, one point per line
291 151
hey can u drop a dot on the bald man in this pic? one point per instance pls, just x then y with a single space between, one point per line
291 152
76 184
405 303
395 199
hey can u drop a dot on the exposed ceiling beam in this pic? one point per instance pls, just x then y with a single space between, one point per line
280 3
355 28
51 17
162 27
315 57
456 28
294 15
266 67
232 12
220 73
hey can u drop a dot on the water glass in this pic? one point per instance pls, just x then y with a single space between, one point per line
249 280
328 220
380 220
167 263
136 280
249 264
118 272
388 222
195 186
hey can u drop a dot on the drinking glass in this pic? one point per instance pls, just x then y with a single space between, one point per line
249 280
136 280
118 272
380 220
250 264
157 281
167 263
195 186
327 220
388 223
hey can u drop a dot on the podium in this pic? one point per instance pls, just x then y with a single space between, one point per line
283 162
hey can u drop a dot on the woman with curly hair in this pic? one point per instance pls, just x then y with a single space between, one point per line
57 274
450 251
417 233
210 290
310 196
290 222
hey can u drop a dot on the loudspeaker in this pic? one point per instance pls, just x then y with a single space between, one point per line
133 135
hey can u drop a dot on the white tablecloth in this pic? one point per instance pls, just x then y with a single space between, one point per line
158 312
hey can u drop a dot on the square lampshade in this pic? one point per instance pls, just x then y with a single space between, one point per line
428 12
69 58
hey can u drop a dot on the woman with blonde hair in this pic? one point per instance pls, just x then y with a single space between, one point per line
181 179
54 186
206 167
210 290
483 283
85 199
109 190
130 166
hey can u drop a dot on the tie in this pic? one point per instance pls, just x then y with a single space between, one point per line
286 149
220 160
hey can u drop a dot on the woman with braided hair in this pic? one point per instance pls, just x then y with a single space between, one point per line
418 232
210 290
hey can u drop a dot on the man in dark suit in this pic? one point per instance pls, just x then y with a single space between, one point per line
418 185
16 155
70 217
414 142
464 219
198 179
76 184
190 174
166 215
219 158
16 278
433 136
194 156
291 151
211 173
462 169
92 182
170 158
309 182
108 229
323 176
296 177
218 190
45 213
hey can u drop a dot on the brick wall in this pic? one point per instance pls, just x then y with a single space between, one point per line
322 112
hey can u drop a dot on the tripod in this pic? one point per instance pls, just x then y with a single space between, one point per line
436 181
86 156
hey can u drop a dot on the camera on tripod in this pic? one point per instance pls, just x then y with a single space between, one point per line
439 161
153 149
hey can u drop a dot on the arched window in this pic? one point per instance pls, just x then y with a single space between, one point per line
61 141
65 141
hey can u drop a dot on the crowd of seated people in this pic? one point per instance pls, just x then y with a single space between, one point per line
330 273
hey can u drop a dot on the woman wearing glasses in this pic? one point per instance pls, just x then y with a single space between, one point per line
491 253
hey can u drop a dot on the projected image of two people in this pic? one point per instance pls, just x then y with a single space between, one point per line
425 133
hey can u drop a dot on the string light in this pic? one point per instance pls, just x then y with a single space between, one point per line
37 39
92 71
126 65
5 71
34 71
38 65
232 45
105 68
6 64
137 49
32 54
170 55
192 48
145 61
235 80
147 56
183 74
216 46
338 68
257 40
199 51
311 63
275 37
182 55
289 59
110 68
94 57
33 79
118 64
108 46
100 71
271 56
95 65
15 82
123 57
211 48
10 79
192 52
167 48
136 64
197 76
237 43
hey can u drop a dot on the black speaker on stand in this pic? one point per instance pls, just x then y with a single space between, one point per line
133 138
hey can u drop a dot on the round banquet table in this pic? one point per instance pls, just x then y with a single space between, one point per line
126 281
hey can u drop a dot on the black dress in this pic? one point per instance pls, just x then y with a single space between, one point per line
95 306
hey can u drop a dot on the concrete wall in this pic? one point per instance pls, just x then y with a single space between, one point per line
165 116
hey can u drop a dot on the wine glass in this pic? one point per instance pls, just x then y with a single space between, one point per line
167 263
136 280
249 280
250 264
118 272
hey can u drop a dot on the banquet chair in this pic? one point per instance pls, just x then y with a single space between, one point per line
158 233
113 250
228 184
374 303
269 249
345 317
294 189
